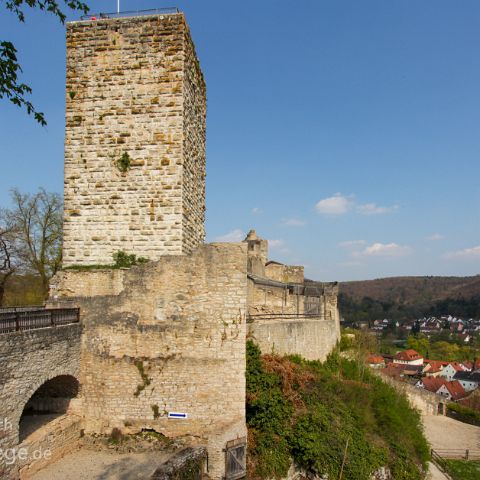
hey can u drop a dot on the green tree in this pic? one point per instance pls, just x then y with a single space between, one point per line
419 343
445 351
11 87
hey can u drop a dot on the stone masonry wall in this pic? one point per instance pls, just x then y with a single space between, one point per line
134 87
284 273
268 299
312 339
194 168
29 359
172 340
423 400
56 439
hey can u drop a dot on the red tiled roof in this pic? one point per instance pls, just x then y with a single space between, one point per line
468 364
408 355
435 366
393 370
375 359
444 364
455 388
432 384
457 366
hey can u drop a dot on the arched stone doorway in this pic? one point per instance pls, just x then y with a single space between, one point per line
50 401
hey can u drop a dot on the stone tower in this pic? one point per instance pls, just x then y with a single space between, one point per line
135 139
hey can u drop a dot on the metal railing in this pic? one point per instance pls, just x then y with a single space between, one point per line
131 13
440 458
22 319
457 454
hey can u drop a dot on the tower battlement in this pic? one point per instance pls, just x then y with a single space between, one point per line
135 139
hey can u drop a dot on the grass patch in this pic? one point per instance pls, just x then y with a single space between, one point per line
463 469
121 259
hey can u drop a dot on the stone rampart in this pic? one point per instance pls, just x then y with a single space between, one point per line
29 359
168 337
428 403
313 339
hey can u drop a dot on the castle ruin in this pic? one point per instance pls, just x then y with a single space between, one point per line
162 344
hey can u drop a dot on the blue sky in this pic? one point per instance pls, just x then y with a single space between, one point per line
345 132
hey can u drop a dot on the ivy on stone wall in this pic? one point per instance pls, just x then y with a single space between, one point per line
124 163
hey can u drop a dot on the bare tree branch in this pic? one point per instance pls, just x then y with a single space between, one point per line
9 262
38 219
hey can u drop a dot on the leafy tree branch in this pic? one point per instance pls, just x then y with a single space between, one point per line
11 87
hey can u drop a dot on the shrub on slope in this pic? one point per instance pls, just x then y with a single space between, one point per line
309 411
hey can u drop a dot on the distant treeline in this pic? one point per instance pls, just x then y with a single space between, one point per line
368 309
24 290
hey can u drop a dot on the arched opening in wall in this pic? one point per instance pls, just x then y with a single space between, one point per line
52 400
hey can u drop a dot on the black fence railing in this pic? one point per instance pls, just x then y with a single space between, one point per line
282 316
22 319
131 13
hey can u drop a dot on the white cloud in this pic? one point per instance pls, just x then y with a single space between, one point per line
435 237
336 205
293 222
374 209
352 243
385 250
472 253
340 204
236 235
256 210
276 243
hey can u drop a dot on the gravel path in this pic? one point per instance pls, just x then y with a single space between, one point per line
434 473
444 433
103 465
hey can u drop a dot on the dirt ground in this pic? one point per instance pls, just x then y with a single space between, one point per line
103 465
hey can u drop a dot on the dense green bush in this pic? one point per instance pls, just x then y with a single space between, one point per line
463 413
122 259
309 411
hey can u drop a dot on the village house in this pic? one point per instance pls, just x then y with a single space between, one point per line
451 390
451 369
432 384
376 361
433 368
468 380
408 357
